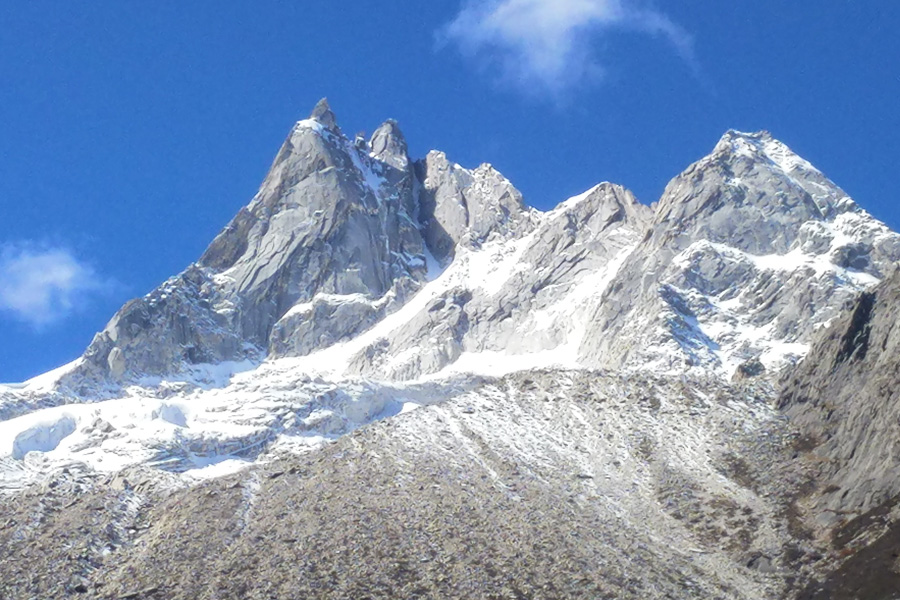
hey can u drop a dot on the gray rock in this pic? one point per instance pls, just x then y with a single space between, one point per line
734 247
328 219
577 239
389 146
323 322
844 395
322 113
468 207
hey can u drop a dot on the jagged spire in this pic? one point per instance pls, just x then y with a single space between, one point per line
322 113
389 146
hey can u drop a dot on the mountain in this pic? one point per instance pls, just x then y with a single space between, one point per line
392 377
750 251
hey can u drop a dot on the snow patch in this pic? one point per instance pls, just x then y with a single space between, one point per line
310 124
203 375
495 264
333 299
794 260
43 437
216 466
370 178
171 414
46 381
784 157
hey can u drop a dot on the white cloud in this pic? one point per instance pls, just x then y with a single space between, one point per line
41 284
548 45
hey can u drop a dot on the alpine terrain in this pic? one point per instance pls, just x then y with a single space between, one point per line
390 377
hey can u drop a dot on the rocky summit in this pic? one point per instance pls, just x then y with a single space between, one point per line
389 377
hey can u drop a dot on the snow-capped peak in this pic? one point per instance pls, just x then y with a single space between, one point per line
358 283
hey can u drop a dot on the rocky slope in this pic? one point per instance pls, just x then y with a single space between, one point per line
546 484
844 398
391 377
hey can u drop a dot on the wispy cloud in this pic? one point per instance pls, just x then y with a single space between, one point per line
41 284
548 46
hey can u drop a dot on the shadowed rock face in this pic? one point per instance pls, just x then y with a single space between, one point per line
845 399
466 207
845 395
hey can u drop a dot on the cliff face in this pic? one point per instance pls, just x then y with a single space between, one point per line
845 396
844 399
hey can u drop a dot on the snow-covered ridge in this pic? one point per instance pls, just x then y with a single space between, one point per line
213 419
755 145
377 284
197 430
818 264
45 381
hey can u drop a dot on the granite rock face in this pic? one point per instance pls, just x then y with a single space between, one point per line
467 207
338 226
845 396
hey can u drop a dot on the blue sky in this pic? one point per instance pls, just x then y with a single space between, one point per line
132 132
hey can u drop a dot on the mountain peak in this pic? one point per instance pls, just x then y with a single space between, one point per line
604 191
323 114
358 286
762 146
611 201
734 143
762 134
388 145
